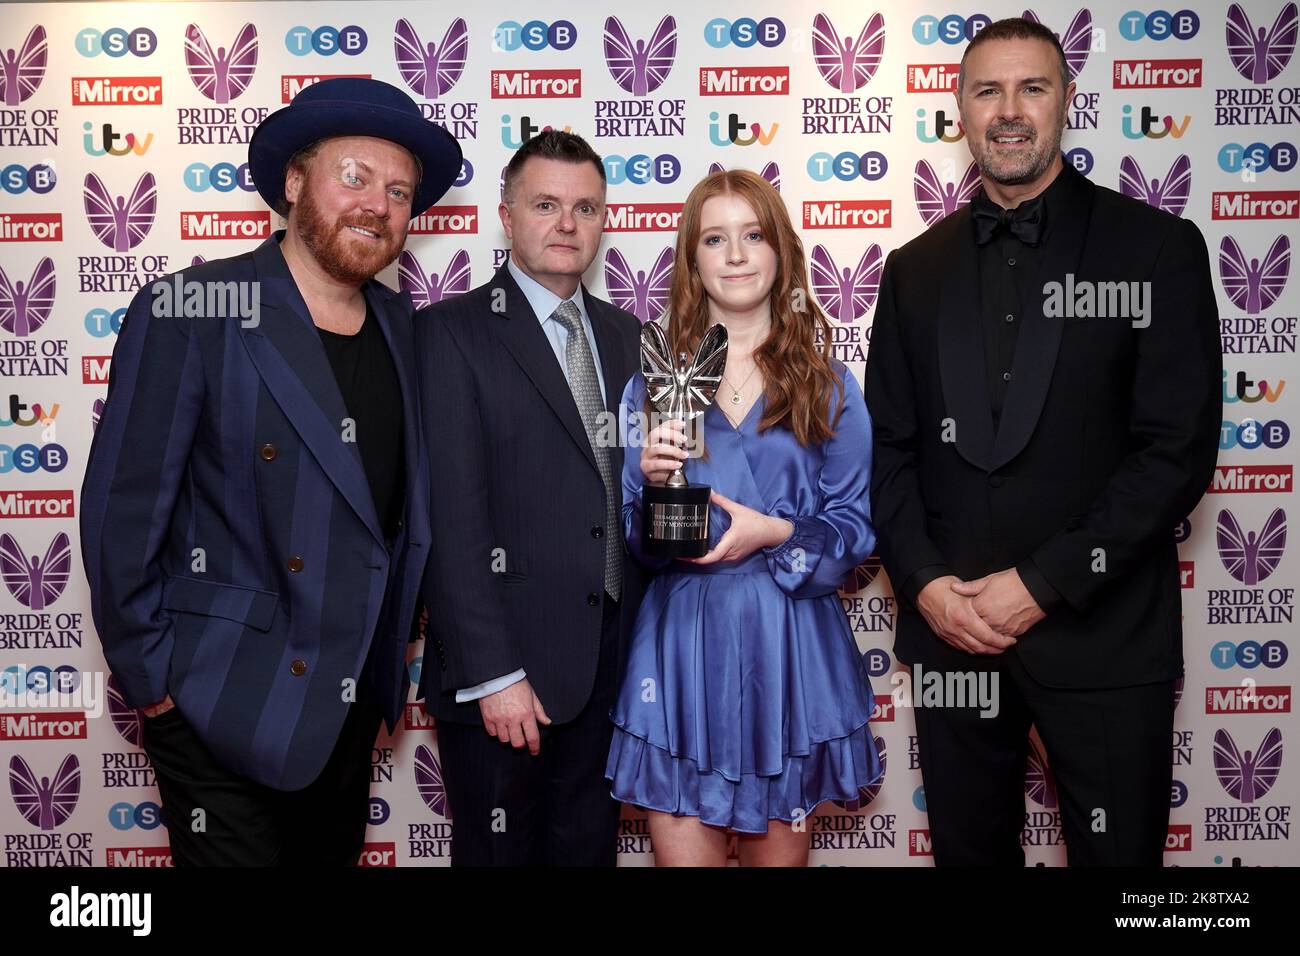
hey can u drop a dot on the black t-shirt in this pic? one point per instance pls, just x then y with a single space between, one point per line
367 378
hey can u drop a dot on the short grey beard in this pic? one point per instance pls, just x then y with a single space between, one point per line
1039 167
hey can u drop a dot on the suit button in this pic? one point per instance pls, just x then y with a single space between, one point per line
268 452
598 532
995 481
298 668
295 563
593 599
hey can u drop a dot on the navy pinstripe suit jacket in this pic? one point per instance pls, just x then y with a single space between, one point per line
231 542
518 482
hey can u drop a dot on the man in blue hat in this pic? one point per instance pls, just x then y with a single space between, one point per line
254 514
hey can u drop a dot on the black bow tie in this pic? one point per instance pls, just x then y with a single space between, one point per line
1026 221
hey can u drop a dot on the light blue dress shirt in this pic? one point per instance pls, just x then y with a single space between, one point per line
544 302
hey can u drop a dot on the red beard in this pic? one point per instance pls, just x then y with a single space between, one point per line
350 260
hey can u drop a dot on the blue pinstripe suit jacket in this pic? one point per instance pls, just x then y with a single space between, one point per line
230 539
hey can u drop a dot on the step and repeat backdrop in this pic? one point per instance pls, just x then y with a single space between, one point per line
123 150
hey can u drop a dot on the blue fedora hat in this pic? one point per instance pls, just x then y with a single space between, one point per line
353 106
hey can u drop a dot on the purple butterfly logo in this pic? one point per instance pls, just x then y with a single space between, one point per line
1247 777
639 67
872 790
433 69
1169 194
427 289
643 294
25 307
428 780
221 76
860 578
36 582
120 223
1040 783
846 295
1254 286
848 64
45 803
771 172
1247 556
96 413
125 717
21 71
197 260
936 199
1077 41
1258 55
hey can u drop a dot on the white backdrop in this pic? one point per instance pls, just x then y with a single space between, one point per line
866 158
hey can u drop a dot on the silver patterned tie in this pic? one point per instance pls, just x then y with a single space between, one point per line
586 392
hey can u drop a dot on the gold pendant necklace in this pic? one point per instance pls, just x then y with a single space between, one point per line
735 392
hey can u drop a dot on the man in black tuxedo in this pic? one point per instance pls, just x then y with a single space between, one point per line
1027 481
528 586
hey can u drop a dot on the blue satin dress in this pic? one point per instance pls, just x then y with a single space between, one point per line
744 697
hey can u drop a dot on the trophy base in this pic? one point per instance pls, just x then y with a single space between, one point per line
675 521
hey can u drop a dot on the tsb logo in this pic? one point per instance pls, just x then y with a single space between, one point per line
745 32
325 40
223 177
1248 654
117 42
101 323
847 166
28 458
1160 25
40 680
534 35
1257 157
16 178
125 816
951 29
641 169
1251 434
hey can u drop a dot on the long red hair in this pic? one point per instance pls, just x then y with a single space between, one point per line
799 381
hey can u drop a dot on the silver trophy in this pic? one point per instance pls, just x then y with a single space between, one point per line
676 513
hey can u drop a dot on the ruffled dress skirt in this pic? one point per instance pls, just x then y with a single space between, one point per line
740 704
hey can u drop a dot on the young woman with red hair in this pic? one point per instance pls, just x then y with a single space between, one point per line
744 702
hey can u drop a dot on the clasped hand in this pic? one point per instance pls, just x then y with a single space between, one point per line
983 616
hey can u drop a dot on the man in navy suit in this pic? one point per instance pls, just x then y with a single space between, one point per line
529 587
254 515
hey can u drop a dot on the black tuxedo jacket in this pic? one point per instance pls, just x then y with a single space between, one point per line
1107 439
516 571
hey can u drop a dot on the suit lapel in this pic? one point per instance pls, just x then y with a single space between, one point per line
521 333
287 351
1040 336
961 348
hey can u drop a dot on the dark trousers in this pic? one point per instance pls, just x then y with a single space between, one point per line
1109 751
509 808
244 823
